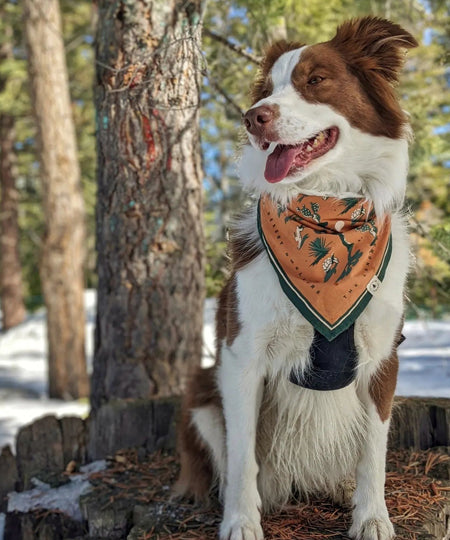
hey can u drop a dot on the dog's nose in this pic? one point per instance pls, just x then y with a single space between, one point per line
257 120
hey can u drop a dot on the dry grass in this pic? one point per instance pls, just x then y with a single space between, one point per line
413 495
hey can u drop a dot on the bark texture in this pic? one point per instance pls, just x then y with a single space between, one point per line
62 261
149 211
11 287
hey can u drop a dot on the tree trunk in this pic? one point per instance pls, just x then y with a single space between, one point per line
11 289
149 210
61 267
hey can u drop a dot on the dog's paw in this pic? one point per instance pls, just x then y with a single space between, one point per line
241 528
343 492
377 528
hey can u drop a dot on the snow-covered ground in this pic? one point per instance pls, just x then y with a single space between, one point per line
23 374
424 366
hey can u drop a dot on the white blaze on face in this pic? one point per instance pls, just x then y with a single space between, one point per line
282 69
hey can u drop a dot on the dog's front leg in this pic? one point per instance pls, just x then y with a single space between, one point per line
370 516
241 388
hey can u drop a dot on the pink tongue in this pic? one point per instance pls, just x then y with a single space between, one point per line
279 162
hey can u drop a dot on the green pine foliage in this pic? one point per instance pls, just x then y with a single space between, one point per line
15 99
318 248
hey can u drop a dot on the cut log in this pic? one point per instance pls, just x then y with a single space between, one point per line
39 449
420 423
41 525
148 424
74 438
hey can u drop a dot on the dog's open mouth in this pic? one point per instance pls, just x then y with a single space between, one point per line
286 158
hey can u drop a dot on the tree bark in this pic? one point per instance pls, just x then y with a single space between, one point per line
149 210
11 288
61 268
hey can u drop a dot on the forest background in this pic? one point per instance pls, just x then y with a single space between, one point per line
234 36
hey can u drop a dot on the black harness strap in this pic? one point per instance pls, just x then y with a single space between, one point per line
333 363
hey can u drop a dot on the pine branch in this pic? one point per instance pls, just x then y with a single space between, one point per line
235 48
230 101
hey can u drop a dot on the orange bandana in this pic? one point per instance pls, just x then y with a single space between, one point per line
330 256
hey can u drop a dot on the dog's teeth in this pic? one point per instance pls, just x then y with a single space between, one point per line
316 142
271 148
320 138
309 148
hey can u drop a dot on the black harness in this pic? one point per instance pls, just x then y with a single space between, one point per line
333 363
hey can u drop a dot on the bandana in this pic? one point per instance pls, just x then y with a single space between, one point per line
330 256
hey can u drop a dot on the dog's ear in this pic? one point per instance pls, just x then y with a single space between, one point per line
373 44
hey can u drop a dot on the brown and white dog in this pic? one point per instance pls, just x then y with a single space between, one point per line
325 123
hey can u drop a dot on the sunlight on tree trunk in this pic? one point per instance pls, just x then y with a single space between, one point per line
149 211
63 249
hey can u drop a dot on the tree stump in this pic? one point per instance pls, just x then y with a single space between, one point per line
39 449
42 525
147 424
420 423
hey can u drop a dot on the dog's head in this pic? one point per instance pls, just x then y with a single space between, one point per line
325 117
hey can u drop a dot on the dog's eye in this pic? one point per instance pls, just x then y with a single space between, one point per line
316 79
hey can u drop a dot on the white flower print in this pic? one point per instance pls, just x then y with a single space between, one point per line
359 212
329 262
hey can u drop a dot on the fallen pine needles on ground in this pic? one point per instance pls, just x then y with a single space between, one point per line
417 489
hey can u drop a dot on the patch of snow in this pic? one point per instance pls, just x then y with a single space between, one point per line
64 498
425 359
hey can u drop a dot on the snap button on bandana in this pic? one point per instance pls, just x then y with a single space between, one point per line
373 285
330 256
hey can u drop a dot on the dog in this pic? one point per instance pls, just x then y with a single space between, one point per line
308 323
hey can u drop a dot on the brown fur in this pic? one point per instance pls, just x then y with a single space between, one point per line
324 61
196 475
242 250
372 49
227 315
382 386
383 382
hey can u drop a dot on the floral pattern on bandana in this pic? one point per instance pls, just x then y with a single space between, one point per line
325 252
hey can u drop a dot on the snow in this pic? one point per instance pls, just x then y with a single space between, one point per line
425 359
424 371
23 374
63 498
